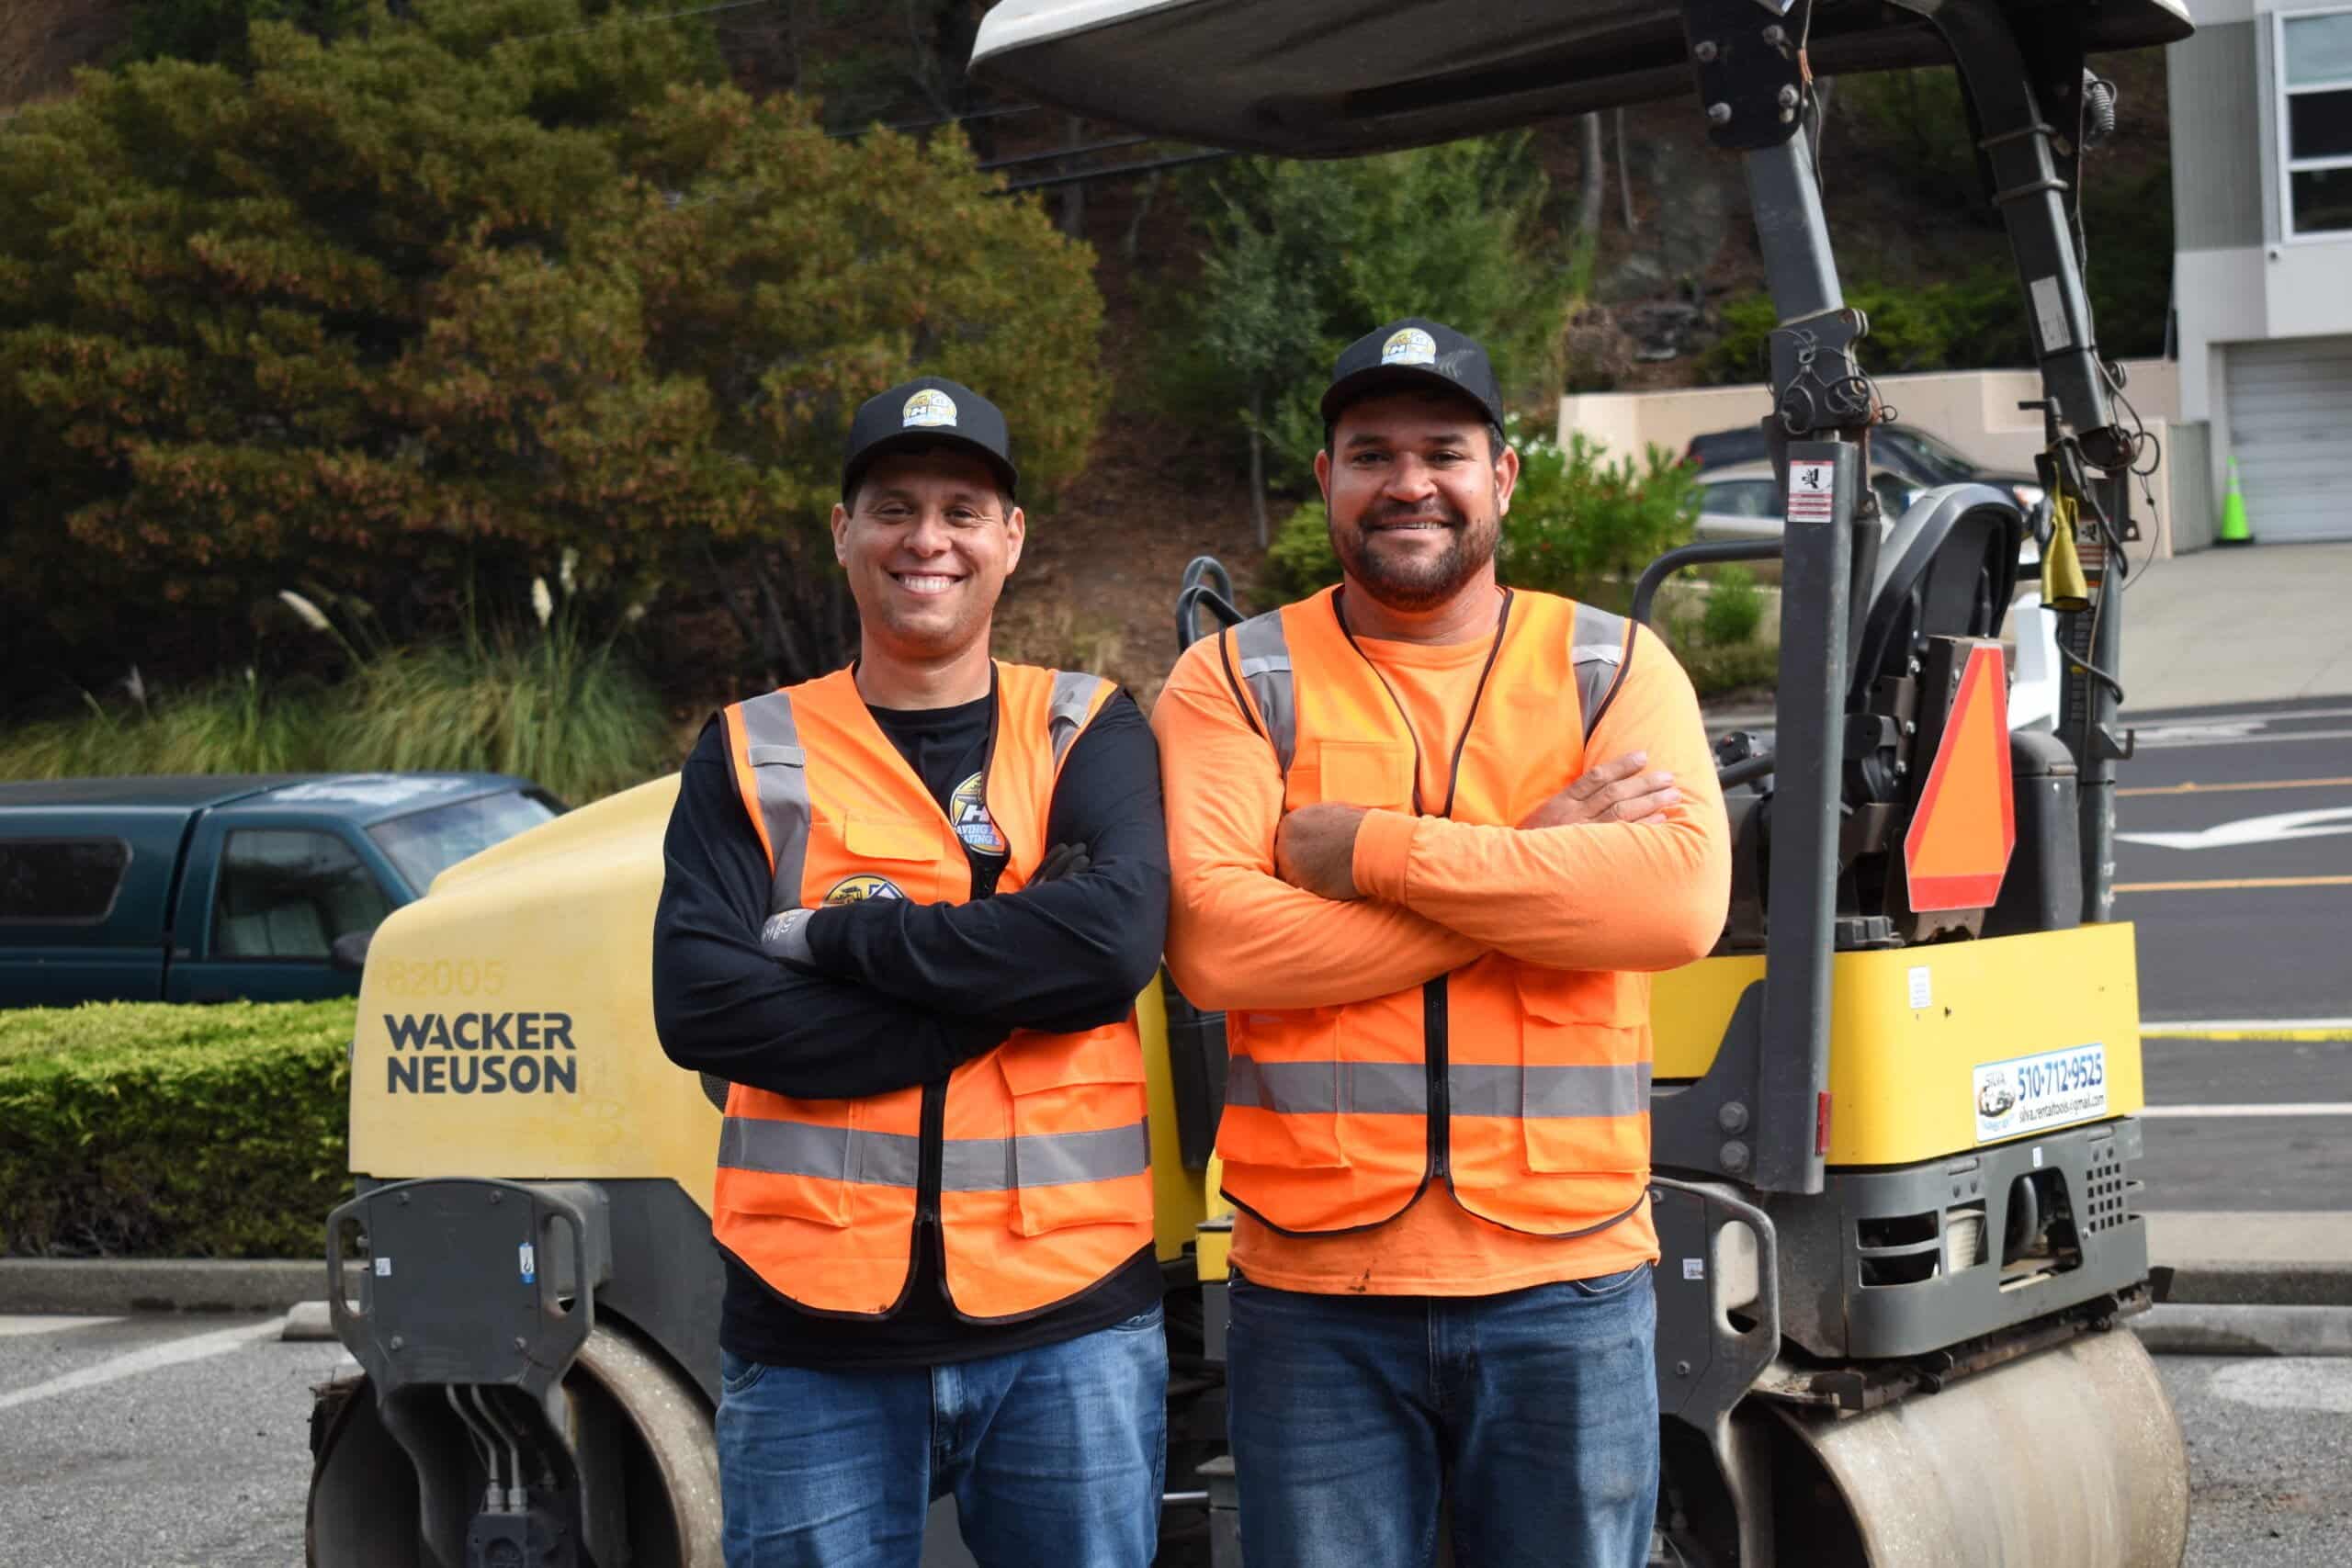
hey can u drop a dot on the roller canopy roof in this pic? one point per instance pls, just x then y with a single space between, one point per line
1328 78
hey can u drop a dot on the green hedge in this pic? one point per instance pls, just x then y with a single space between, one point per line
145 1128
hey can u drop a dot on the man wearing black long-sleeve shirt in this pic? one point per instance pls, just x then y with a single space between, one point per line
905 912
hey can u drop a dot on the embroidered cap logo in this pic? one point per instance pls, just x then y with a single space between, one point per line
1408 345
930 408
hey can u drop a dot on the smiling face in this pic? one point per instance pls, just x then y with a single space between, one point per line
1416 495
927 541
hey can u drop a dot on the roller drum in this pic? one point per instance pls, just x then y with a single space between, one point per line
2070 1456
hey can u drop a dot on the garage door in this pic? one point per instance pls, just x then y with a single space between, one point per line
2290 418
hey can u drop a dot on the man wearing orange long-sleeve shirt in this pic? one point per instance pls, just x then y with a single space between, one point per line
1429 835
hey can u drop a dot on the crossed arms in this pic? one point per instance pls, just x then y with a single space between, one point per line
895 993
1333 903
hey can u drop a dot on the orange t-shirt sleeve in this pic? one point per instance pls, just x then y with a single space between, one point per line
1238 936
1610 895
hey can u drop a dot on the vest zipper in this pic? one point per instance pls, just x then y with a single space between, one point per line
1440 1116
931 1154
1433 1002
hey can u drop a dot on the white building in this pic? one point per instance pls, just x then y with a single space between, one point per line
2261 110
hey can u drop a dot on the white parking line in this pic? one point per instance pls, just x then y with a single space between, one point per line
13 1325
2188 718
2160 741
195 1348
2201 1026
2313 1108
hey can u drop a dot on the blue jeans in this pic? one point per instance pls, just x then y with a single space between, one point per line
1054 1456
1535 1411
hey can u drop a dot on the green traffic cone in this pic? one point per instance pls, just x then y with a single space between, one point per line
2234 530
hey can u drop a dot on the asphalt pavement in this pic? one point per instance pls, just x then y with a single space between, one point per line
154 1441
2234 864
2269 1458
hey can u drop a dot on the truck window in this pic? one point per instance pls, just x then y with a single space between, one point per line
286 893
61 882
423 844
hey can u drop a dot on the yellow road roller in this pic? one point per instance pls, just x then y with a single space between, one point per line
1894 1116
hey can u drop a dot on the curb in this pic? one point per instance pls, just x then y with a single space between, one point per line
113 1286
308 1321
2236 1284
2182 1329
2283 1259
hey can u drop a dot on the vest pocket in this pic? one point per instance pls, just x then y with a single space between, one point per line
1283 1089
795 1169
1584 1071
1376 774
1081 1153
892 855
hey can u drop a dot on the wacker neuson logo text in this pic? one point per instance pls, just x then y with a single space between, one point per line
481 1053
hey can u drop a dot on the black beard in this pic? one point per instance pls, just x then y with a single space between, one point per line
1416 586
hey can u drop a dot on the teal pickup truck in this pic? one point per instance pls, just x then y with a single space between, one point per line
214 888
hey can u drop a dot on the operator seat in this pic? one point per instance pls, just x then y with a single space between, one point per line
1947 569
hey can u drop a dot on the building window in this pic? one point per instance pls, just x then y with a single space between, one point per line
2315 120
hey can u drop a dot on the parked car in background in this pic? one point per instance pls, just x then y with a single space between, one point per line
1918 458
211 888
1742 501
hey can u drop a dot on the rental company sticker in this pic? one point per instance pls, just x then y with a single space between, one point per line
1813 492
2030 1094
1694 1268
1923 988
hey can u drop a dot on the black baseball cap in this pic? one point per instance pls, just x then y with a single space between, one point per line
929 410
1413 353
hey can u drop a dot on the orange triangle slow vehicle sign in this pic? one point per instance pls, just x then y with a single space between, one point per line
1957 846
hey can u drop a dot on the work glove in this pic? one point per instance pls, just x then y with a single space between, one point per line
786 938
1061 860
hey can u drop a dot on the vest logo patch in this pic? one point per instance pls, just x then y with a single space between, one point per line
858 888
968 813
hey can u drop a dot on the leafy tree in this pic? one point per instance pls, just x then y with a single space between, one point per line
1917 122
481 286
1921 117
1302 258
216 30
1968 324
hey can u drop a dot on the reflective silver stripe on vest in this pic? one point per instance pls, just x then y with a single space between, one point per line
1477 1089
1265 664
1073 696
967 1165
780 771
1597 648
1296 1088
1401 1089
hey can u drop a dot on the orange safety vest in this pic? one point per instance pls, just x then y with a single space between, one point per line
1525 1087
1042 1153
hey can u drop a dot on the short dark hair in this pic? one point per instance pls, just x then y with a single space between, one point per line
856 480
1495 439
